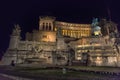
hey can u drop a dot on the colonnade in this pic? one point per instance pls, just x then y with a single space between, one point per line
76 33
46 26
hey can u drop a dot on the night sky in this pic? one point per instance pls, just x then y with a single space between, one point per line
26 13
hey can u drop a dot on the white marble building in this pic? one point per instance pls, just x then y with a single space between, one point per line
62 43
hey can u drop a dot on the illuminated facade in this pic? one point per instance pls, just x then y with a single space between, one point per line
62 43
74 30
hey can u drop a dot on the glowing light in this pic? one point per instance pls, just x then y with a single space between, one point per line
112 59
97 33
98 61
78 58
55 29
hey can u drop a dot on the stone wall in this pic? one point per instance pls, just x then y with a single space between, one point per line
46 36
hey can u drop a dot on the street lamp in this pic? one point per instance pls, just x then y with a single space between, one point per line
16 55
54 56
70 55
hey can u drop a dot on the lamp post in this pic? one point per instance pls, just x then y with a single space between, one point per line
16 55
70 55
70 51
54 57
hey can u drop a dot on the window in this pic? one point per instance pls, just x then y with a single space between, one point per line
44 36
43 26
49 26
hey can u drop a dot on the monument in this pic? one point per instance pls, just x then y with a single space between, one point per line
48 46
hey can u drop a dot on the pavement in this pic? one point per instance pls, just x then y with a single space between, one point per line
2 77
8 73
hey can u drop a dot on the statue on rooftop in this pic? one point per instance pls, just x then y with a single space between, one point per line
59 32
16 30
94 22
96 29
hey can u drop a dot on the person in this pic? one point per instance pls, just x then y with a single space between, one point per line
64 70
12 63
